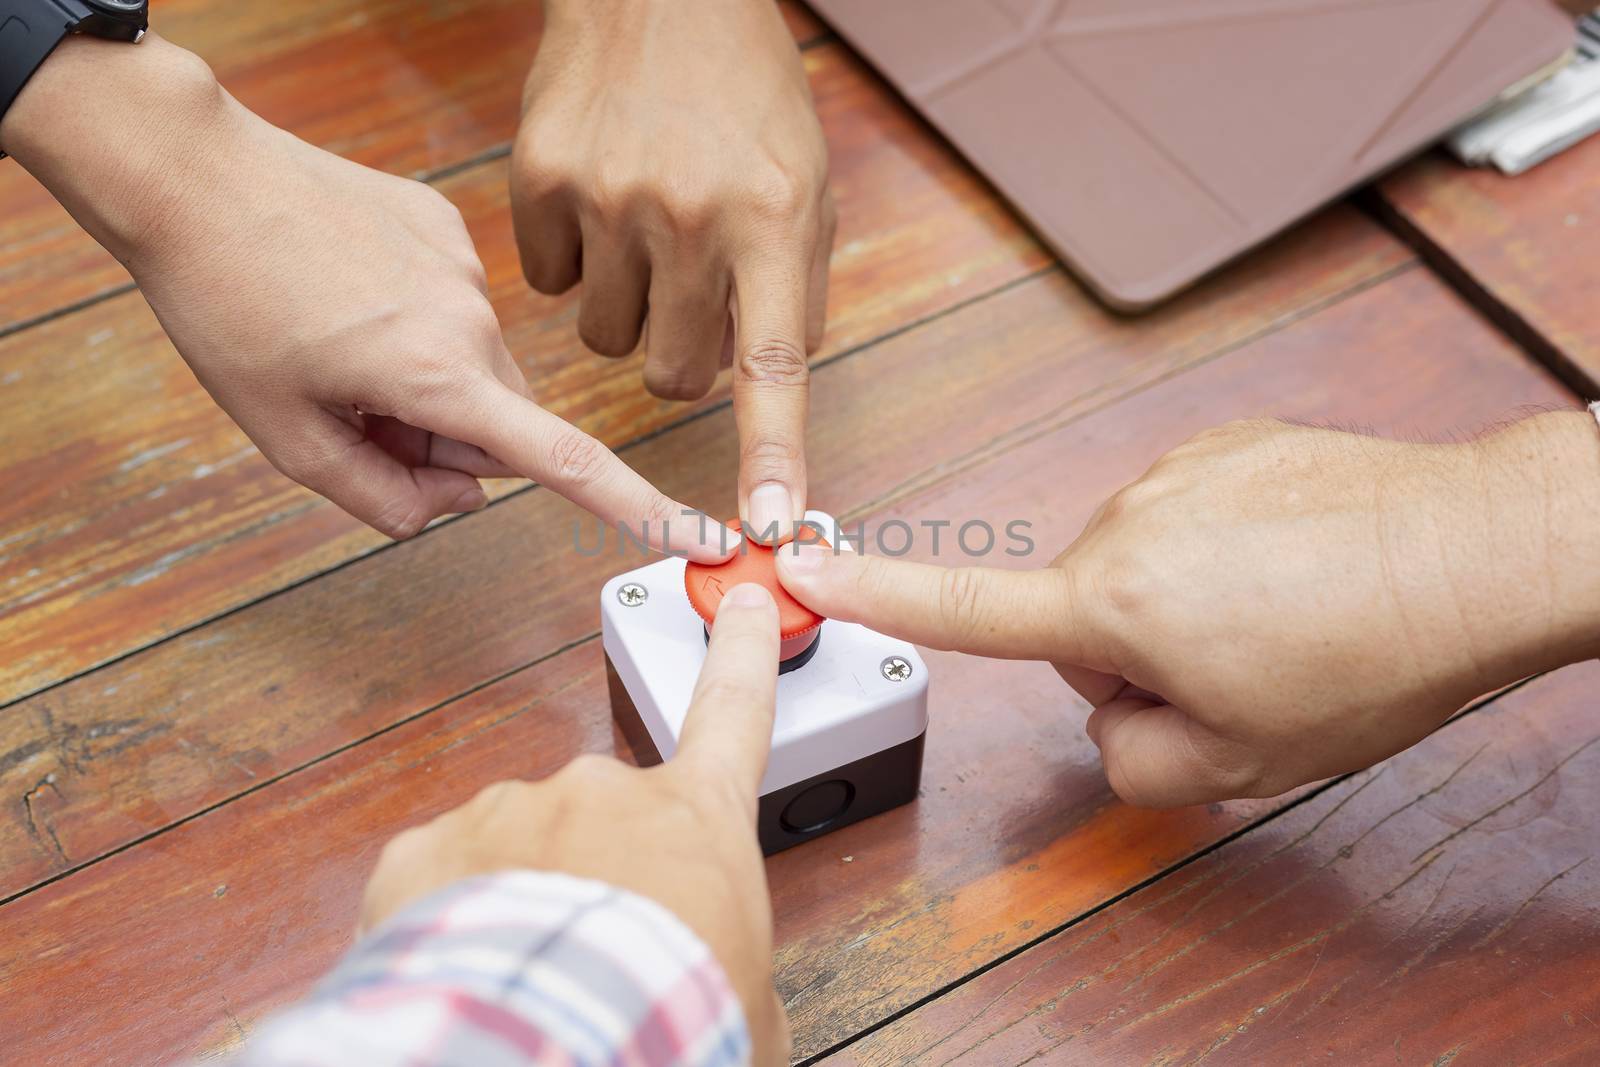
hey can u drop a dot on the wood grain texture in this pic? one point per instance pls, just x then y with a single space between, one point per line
1526 246
136 507
407 86
421 622
1436 907
181 941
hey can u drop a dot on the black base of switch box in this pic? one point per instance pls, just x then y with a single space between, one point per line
810 808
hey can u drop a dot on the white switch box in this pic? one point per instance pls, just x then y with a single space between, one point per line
851 715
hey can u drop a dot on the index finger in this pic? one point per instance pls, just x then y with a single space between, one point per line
772 389
728 731
521 434
980 610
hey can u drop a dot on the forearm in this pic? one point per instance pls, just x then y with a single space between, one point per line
118 132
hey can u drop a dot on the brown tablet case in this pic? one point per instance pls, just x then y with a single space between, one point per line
1150 141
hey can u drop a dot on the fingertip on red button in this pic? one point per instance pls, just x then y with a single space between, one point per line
707 583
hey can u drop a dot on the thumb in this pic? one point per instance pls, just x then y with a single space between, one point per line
980 610
1157 756
727 732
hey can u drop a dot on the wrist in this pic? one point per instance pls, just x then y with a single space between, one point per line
615 22
1532 586
113 130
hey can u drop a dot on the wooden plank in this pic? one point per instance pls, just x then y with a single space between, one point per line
331 661
404 86
1524 246
135 507
806 27
1438 906
180 942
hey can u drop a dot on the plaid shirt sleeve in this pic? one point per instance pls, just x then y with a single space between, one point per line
521 967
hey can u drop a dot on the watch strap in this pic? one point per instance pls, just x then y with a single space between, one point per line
29 31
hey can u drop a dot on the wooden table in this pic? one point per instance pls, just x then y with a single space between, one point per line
220 695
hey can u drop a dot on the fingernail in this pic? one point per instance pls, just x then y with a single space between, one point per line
470 500
748 595
771 512
701 538
719 538
802 559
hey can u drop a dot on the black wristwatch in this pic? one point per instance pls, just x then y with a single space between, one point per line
31 29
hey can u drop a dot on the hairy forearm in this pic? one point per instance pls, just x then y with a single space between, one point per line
120 154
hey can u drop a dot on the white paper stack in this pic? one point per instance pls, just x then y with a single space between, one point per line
1547 119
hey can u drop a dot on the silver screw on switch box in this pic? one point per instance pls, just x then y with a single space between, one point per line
895 669
632 595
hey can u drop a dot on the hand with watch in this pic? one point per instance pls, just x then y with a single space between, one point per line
339 314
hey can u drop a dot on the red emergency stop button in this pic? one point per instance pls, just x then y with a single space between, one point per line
706 584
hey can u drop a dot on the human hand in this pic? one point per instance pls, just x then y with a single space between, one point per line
669 156
682 833
338 314
1271 605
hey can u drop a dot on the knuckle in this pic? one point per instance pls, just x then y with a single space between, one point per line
657 511
479 322
874 581
495 797
473 271
587 763
780 193
653 517
766 457
1127 502
1112 509
588 769
575 458
539 164
688 212
1127 588
613 192
774 361
434 205
400 522
1140 495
